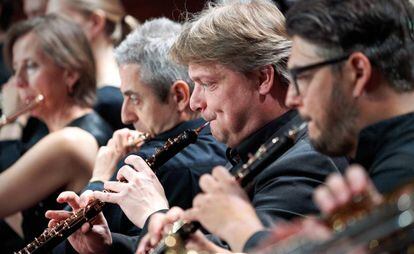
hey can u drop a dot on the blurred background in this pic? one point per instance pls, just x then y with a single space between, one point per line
144 9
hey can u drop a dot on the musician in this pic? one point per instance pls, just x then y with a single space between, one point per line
156 101
105 25
38 52
368 92
352 81
237 56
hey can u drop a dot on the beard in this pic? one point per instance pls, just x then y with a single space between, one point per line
339 132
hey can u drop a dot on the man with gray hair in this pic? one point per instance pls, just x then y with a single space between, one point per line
156 101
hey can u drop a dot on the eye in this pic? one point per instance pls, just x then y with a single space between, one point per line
134 99
210 86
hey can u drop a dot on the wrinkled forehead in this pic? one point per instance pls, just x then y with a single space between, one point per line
199 71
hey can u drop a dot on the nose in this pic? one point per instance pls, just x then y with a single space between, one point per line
20 79
293 99
128 115
197 100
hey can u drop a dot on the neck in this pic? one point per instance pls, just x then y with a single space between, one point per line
259 117
106 66
63 116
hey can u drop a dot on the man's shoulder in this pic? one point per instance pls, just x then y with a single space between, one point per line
302 160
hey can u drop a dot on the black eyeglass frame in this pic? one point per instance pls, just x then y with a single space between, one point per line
296 71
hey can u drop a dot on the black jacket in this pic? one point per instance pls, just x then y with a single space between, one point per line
284 189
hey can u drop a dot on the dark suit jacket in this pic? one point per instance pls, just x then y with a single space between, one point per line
284 189
179 176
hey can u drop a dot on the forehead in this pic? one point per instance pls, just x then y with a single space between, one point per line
130 77
207 70
27 44
303 53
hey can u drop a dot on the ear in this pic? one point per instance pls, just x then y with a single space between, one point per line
96 24
70 79
266 76
181 94
362 73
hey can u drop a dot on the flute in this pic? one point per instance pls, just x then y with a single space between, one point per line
51 237
244 174
4 120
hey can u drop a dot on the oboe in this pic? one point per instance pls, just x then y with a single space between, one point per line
4 120
244 174
388 228
51 237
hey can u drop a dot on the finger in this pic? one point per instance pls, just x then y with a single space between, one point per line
360 184
52 223
126 173
157 223
86 227
86 198
200 200
115 186
69 197
144 245
139 164
208 183
57 214
357 179
107 197
324 200
190 214
174 214
220 173
339 189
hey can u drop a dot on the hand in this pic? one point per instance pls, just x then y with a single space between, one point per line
300 232
122 142
159 225
86 239
10 103
224 209
140 196
10 97
341 192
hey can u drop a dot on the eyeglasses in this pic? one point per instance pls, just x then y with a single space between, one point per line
295 72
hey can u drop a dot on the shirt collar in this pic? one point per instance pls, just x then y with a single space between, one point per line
250 144
372 138
181 127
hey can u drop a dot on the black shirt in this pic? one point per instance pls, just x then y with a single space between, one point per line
179 178
386 151
284 189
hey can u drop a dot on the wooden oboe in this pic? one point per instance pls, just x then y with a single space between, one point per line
51 237
244 174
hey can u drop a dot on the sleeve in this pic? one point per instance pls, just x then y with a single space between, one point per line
254 241
394 169
10 152
128 244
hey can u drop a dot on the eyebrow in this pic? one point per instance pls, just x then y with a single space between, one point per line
129 93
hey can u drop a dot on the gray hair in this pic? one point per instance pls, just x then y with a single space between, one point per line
149 47
243 35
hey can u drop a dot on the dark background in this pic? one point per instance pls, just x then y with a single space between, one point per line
144 9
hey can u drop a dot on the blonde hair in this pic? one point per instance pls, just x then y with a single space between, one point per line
119 24
243 35
66 44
